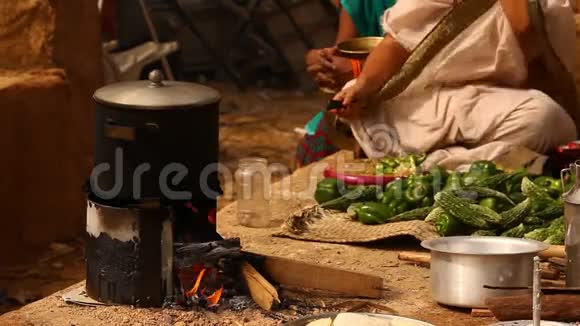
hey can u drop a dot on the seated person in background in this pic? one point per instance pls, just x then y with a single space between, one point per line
330 71
473 100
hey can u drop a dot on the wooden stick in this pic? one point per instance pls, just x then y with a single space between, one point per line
416 257
554 283
299 274
558 307
263 293
550 274
481 313
554 251
558 263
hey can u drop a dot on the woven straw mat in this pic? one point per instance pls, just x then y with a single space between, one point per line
315 224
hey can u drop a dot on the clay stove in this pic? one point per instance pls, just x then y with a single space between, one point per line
149 189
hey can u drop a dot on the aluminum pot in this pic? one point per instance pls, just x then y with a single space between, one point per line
462 266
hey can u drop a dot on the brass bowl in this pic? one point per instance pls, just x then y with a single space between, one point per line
358 47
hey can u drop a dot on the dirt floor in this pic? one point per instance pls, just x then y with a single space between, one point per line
406 287
256 123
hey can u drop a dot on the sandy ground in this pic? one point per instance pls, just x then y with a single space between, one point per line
406 286
256 123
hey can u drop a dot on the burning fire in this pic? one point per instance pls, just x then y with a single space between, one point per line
193 291
214 298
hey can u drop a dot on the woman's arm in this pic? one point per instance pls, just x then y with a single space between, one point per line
516 12
346 27
382 64
326 69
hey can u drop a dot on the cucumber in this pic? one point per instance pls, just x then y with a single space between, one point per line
470 214
492 181
434 214
540 234
357 195
537 194
415 214
550 212
518 231
533 220
516 215
488 192
469 195
556 232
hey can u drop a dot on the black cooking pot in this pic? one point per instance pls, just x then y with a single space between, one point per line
155 139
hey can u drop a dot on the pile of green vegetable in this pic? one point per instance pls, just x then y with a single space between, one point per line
483 201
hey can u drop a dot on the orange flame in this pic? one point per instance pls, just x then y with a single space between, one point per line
193 291
214 298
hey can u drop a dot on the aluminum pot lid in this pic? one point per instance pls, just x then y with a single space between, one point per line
156 94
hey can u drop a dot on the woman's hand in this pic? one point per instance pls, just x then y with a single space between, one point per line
341 71
354 98
328 69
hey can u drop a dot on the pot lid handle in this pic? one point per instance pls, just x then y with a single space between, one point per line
156 78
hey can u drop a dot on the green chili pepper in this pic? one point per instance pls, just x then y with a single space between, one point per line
454 182
401 208
327 190
438 178
479 170
447 225
483 168
367 218
517 197
489 202
417 191
374 213
427 202
551 185
398 187
514 182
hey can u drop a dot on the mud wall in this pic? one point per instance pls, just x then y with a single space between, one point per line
50 65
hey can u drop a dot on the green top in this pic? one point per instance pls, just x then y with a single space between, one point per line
367 15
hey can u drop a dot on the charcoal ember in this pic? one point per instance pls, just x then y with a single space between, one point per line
210 253
208 272
240 302
176 302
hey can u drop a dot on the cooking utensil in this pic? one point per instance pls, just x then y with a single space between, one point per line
425 258
358 47
146 130
334 105
305 320
357 179
537 293
572 215
461 266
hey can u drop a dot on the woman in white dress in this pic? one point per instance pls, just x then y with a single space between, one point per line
474 99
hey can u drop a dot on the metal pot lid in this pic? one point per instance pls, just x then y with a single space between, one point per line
156 94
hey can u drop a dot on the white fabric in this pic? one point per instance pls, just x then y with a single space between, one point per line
472 93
